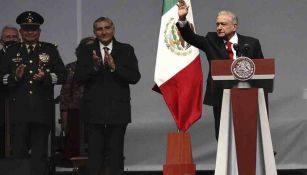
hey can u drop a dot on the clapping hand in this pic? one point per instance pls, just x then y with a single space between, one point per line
97 60
39 75
109 60
19 71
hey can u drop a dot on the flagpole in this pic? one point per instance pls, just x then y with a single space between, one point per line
178 130
185 107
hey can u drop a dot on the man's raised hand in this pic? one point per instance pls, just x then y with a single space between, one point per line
182 10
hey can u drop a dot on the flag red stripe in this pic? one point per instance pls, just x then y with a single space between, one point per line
183 94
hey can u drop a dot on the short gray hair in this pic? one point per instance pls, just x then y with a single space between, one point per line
229 13
8 27
102 19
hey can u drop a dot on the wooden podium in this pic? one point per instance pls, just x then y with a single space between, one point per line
244 145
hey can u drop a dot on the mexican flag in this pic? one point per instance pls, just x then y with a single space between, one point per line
178 74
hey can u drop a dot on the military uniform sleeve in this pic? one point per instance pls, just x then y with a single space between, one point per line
7 76
57 73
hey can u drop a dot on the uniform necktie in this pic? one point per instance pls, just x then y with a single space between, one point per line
229 50
30 48
106 51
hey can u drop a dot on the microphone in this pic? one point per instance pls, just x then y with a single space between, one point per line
246 47
237 49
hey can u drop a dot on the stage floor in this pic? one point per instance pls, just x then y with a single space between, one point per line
280 172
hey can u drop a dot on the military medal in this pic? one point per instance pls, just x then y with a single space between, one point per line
17 60
43 60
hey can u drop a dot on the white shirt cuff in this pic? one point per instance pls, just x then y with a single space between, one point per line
5 79
54 78
182 23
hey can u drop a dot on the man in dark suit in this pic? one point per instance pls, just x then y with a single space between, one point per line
30 69
106 68
214 44
9 36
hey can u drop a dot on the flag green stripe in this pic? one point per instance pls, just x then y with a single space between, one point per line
168 4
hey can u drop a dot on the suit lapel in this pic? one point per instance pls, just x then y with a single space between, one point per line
24 53
222 48
114 49
241 43
97 48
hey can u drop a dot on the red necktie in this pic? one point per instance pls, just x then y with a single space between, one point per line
106 49
229 50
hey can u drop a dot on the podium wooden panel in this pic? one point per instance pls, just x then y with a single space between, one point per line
244 145
265 69
179 159
245 113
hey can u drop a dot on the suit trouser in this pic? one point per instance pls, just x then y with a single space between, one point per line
217 119
73 139
2 141
106 148
34 137
2 125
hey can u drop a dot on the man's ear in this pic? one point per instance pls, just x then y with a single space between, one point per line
235 27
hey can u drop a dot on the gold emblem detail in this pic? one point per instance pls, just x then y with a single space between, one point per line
174 41
44 58
243 68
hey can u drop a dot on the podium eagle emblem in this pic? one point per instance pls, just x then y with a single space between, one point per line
243 68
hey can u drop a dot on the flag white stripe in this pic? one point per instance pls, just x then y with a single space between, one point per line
167 63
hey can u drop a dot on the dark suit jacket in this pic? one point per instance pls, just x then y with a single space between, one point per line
30 100
3 94
106 96
215 49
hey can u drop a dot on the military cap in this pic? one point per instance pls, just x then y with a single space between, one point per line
29 20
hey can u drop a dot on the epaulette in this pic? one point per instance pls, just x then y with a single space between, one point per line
46 43
9 46
15 44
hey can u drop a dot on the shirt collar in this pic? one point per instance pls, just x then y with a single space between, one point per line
27 45
110 46
234 39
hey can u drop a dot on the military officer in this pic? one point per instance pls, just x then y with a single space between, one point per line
9 36
30 69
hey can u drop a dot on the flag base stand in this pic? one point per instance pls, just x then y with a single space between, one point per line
179 155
